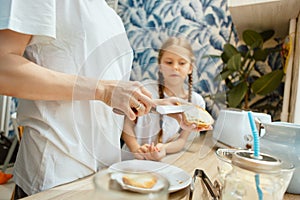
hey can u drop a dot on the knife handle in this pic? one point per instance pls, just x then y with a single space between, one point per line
120 112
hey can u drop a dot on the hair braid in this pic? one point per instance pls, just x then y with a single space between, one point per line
161 86
190 79
161 94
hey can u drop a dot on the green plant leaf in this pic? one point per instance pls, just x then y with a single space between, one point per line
234 63
237 94
225 74
260 54
266 35
252 39
267 83
228 52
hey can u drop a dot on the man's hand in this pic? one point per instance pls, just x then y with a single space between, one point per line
130 97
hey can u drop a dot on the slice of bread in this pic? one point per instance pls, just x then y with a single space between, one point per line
140 180
198 116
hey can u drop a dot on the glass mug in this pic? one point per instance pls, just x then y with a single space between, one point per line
109 185
224 166
241 176
263 178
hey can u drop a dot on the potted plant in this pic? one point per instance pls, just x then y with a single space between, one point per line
241 71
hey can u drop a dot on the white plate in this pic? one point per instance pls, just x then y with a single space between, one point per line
177 177
119 178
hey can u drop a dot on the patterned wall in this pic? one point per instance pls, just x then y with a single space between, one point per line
206 23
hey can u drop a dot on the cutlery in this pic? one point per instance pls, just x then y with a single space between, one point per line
214 189
161 109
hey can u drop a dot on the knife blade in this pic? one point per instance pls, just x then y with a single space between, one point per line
170 109
161 109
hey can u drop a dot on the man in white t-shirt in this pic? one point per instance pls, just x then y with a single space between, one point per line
69 62
76 67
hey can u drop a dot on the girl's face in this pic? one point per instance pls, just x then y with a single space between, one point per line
173 66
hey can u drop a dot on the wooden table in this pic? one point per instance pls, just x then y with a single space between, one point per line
198 154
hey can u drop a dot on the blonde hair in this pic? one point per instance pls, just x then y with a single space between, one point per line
180 42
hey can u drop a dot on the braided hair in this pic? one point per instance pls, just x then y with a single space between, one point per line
181 42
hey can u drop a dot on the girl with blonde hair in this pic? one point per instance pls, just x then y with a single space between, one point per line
153 136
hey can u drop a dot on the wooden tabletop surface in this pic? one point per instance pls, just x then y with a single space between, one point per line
200 153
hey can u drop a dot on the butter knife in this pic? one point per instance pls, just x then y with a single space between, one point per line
161 109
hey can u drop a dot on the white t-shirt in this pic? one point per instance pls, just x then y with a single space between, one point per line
147 127
67 140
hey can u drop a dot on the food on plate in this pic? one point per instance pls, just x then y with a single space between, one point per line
140 180
199 116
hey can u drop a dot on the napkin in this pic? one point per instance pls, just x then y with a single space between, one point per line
4 177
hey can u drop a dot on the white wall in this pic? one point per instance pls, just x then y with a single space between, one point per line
295 117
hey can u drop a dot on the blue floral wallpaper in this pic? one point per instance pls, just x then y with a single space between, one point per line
206 23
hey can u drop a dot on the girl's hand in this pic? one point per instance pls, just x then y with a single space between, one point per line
141 151
191 127
179 116
155 153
